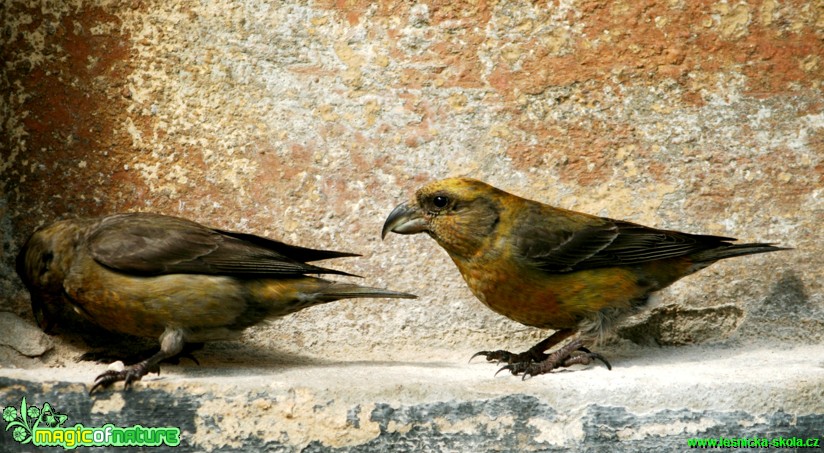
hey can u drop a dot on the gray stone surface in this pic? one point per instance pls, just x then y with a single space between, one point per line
654 398
25 338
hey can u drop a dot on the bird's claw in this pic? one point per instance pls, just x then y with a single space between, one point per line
499 356
533 363
536 369
505 367
517 364
596 356
581 356
128 376
515 368
108 378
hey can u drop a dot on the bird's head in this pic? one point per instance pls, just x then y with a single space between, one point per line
459 213
42 264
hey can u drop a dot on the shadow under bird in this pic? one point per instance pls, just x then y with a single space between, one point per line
164 277
553 268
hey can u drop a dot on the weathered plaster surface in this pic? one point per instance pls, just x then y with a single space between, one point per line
308 122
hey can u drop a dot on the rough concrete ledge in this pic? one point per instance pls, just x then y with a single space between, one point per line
654 398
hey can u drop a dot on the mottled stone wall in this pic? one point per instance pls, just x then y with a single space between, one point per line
308 122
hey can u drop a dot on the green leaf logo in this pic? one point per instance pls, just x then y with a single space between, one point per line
28 418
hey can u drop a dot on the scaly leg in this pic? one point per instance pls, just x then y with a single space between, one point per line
572 353
171 344
533 354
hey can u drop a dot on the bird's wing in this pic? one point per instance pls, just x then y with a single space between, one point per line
294 252
607 243
151 244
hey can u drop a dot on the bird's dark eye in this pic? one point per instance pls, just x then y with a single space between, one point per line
440 201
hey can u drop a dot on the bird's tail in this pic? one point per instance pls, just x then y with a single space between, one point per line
705 258
337 291
281 297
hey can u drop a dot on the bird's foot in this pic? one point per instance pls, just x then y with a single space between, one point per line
573 353
501 356
127 375
532 355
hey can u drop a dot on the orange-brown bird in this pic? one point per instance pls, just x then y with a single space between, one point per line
157 276
553 268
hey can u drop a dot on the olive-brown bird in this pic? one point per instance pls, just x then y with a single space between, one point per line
157 276
553 268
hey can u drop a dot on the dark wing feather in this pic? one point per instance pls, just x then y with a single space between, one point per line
564 251
153 244
610 243
294 252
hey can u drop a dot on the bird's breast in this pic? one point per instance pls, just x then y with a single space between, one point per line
540 299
